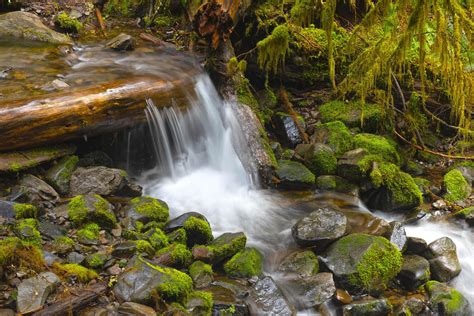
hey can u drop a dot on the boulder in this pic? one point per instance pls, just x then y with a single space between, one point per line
445 300
245 264
28 26
302 263
349 165
103 181
294 175
362 262
314 290
443 258
319 158
33 292
60 174
415 272
320 228
268 299
91 208
334 134
368 307
121 42
286 129
35 191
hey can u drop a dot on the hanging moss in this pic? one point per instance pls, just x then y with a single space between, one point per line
272 50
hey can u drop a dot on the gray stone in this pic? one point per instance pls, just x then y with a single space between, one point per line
125 250
60 174
416 245
444 262
294 175
302 263
368 307
50 230
320 228
102 181
348 165
314 290
121 42
287 130
134 309
415 272
268 299
397 235
33 292
35 191
75 257
27 26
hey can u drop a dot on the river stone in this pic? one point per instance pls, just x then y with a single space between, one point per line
348 165
50 230
33 292
225 299
367 307
294 175
287 130
268 299
35 191
336 183
178 222
374 256
314 290
302 263
415 272
444 262
416 245
59 175
28 26
121 42
134 309
103 181
447 301
397 235
320 228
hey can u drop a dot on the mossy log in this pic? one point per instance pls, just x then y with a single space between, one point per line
105 108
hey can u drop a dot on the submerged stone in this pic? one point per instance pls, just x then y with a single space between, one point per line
302 263
368 307
268 299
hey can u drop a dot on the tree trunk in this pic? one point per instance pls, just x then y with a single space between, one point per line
81 113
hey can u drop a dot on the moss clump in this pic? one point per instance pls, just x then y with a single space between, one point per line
378 145
339 137
404 193
198 231
144 246
63 244
321 160
200 303
83 274
152 209
177 255
446 300
25 210
456 186
21 254
291 172
244 264
89 234
96 260
27 230
353 114
227 245
157 238
68 23
91 208
178 236
198 269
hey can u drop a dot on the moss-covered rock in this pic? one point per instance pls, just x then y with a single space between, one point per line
198 231
335 183
200 303
352 166
362 262
294 175
91 208
445 300
394 189
456 186
68 24
174 255
16 252
320 159
96 261
63 245
157 238
378 145
178 236
60 174
71 270
146 209
245 264
221 248
144 247
25 210
354 114
334 134
89 234
201 273
27 231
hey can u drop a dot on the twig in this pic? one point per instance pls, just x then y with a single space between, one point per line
294 116
100 19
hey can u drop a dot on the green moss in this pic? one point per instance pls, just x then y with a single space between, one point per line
294 171
157 238
153 209
19 253
25 210
27 230
199 268
63 244
336 135
144 246
200 303
7 250
377 145
178 236
403 190
227 245
96 260
456 186
272 50
322 161
198 231
69 24
77 210
245 264
83 274
464 213
90 233
353 114
451 299
102 215
180 255
80 212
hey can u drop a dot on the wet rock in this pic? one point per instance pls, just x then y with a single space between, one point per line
95 159
50 230
268 299
467 214
58 84
178 222
91 208
59 175
368 307
28 26
314 290
348 165
444 262
445 300
320 228
287 130
146 209
302 263
336 183
397 235
35 191
363 262
134 309
416 245
33 292
415 272
225 299
102 181
294 175
75 257
245 264
201 273
125 250
121 42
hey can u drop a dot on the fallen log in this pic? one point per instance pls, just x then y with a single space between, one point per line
82 113
71 304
